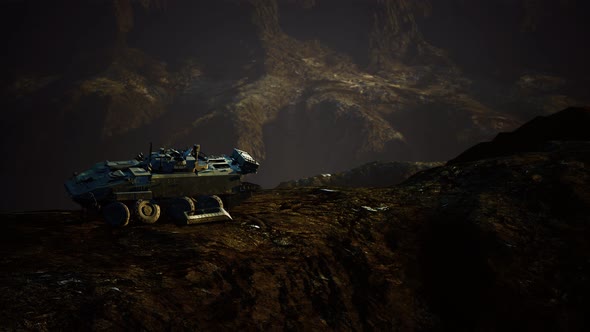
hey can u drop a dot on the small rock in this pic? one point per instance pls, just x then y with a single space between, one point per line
67 281
368 208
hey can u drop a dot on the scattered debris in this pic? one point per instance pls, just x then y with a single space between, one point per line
67 281
368 208
377 209
326 190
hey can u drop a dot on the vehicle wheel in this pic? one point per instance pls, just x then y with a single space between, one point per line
184 204
205 203
147 211
218 200
116 214
178 206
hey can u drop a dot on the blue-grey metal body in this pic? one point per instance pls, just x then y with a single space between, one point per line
164 174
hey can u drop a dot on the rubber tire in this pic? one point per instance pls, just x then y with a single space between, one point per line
206 203
184 204
219 201
178 206
116 214
147 212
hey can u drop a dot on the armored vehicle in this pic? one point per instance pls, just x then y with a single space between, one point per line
183 184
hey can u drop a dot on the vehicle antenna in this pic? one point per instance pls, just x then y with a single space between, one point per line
149 164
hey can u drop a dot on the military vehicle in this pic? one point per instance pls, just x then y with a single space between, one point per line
183 184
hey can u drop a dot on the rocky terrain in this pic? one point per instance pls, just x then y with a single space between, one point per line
374 174
308 87
497 242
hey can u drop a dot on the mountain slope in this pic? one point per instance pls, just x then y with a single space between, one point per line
355 82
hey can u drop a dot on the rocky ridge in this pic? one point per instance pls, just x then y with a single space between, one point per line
375 174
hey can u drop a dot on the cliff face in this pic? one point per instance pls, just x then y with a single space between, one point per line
307 86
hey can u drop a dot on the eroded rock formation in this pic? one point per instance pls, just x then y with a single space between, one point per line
308 86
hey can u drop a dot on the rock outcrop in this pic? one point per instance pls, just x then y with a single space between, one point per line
376 174
540 134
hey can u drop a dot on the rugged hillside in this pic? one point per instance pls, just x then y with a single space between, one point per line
374 174
536 135
499 243
307 86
